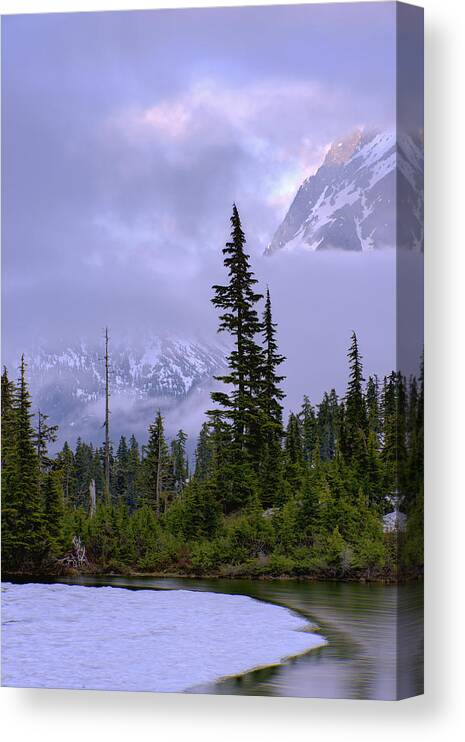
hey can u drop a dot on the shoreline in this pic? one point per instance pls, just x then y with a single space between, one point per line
351 643
376 578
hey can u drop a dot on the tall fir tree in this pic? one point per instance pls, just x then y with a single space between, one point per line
158 470
293 455
120 470
44 435
179 458
356 424
9 468
401 433
389 450
134 468
203 453
240 404
66 463
309 427
372 406
53 511
329 423
8 396
270 422
84 469
26 543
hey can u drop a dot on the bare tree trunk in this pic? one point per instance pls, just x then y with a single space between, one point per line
39 438
92 498
107 421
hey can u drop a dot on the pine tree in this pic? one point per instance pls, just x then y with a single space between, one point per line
272 393
201 512
240 407
401 433
43 436
66 464
120 469
394 453
293 455
328 425
9 468
309 428
180 466
203 453
158 471
412 553
221 470
8 392
26 544
86 464
356 425
418 456
309 504
270 426
53 511
373 481
134 468
389 450
96 472
372 406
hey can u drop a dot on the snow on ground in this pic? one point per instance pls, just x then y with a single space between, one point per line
69 636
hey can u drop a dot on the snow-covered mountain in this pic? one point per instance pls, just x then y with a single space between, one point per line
68 383
350 202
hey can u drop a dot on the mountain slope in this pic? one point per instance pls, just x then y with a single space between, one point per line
350 202
69 384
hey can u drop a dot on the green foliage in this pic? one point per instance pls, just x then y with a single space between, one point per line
157 468
54 511
9 468
24 537
196 514
180 465
43 436
203 453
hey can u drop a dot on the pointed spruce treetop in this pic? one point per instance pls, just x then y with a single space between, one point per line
273 394
355 403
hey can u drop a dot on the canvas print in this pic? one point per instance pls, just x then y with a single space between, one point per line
212 350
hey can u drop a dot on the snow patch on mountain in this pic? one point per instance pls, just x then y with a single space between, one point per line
68 383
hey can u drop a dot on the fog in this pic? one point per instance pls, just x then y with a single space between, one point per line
126 139
318 299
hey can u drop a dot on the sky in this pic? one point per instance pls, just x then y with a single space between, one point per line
127 136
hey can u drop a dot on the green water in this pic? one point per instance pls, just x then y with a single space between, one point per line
366 625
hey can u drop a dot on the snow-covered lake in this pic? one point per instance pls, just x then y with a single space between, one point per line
69 636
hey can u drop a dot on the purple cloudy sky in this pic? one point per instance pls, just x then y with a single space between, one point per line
127 136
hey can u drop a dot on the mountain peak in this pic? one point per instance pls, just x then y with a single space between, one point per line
342 150
367 194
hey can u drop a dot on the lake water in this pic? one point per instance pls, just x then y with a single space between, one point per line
188 634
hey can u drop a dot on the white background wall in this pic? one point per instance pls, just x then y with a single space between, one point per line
67 716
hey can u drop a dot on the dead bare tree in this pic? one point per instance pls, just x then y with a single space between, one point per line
92 498
76 558
107 421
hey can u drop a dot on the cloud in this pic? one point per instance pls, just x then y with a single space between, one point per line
269 121
127 136
170 120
